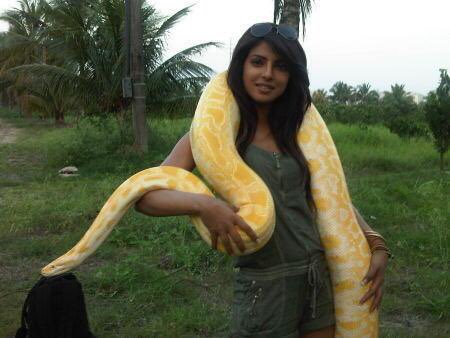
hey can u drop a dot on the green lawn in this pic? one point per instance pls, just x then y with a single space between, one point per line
154 277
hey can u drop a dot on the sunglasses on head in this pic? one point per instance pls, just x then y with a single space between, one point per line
260 30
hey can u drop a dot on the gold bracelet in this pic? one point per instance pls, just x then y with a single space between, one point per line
379 247
382 247
371 233
389 254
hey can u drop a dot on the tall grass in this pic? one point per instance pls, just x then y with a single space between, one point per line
154 277
375 149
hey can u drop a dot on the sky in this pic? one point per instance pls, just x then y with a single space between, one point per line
382 42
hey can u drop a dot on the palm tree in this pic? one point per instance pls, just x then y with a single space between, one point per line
320 97
398 94
363 94
401 114
437 114
84 39
289 12
22 44
341 93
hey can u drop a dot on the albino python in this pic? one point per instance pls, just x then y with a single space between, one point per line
212 135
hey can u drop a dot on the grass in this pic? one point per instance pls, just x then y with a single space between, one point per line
154 277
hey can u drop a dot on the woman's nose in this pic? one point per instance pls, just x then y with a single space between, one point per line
268 71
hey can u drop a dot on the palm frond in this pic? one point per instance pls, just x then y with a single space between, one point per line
64 81
192 51
305 11
170 22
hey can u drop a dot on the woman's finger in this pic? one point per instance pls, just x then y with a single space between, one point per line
214 241
246 228
236 238
376 299
378 281
367 296
226 243
370 274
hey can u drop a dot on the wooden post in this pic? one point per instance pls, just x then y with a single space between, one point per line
137 75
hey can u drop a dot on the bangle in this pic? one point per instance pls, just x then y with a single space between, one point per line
389 254
377 242
371 233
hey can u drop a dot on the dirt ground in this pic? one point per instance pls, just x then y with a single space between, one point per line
8 133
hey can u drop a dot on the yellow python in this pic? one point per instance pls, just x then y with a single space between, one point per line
212 135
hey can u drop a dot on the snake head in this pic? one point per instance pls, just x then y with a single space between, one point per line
56 267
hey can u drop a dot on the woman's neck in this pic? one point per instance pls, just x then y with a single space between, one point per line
263 135
263 114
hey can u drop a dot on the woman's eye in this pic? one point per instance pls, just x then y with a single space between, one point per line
282 66
257 62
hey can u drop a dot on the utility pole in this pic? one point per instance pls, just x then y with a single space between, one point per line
136 67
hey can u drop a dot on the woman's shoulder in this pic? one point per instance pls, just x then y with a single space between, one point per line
181 155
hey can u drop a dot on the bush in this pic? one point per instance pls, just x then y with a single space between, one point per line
406 126
360 114
92 138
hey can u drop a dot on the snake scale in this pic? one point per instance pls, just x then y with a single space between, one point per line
212 136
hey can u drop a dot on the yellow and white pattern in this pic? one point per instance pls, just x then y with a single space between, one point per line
212 135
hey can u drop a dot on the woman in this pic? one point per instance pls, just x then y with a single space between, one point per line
284 289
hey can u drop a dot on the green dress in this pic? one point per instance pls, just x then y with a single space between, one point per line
284 289
295 237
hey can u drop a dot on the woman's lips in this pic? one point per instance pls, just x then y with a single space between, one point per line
264 88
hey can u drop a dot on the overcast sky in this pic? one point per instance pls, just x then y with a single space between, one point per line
380 42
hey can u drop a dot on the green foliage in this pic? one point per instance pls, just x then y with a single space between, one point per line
94 140
401 114
363 95
341 93
361 114
379 150
77 48
362 106
157 278
437 114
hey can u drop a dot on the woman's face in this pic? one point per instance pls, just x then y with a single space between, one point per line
265 74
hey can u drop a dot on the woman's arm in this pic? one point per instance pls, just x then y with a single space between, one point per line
375 240
378 264
165 202
362 223
219 217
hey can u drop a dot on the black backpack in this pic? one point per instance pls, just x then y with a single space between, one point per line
55 308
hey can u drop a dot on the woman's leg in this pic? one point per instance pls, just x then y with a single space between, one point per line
327 332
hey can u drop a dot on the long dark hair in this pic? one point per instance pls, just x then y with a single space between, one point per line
287 111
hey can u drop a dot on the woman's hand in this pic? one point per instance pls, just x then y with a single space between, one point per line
375 274
223 223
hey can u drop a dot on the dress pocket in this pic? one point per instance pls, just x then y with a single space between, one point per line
259 302
326 289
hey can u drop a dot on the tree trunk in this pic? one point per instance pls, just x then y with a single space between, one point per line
137 75
5 99
291 14
59 119
44 55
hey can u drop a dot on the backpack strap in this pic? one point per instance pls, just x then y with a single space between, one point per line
22 332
